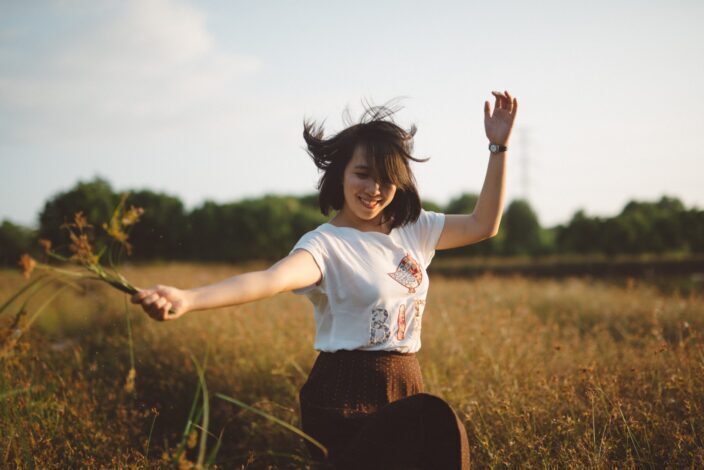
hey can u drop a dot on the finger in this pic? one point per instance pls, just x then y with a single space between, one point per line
166 309
157 314
154 315
486 110
502 100
497 103
509 101
138 296
515 108
160 303
150 299
497 100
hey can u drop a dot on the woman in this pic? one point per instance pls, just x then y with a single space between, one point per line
365 273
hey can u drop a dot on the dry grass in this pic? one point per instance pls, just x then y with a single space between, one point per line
544 373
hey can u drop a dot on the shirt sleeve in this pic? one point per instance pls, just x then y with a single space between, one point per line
311 243
427 231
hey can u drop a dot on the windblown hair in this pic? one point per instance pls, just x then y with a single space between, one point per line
388 149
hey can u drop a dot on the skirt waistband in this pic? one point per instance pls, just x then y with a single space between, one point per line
358 381
364 352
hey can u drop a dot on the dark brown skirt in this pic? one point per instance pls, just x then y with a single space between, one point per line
369 410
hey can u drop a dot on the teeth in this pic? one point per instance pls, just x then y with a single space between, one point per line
370 204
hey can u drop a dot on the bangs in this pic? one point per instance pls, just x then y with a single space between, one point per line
387 162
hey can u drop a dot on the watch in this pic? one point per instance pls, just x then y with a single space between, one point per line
496 148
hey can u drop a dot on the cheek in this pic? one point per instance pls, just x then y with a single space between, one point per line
391 194
356 185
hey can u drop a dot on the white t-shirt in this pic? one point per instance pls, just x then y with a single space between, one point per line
372 292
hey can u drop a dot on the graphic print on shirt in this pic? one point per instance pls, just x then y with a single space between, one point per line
408 273
416 315
379 330
401 332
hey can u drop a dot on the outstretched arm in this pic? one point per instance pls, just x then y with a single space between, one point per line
461 230
292 272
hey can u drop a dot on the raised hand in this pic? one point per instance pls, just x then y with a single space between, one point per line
163 302
498 125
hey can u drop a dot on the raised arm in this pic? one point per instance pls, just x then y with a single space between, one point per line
483 222
297 270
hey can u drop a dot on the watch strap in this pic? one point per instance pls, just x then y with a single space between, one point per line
495 148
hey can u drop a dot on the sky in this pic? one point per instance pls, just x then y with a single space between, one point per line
206 100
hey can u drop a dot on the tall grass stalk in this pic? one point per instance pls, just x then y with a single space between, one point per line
276 420
17 331
24 289
130 382
193 415
149 438
206 414
32 318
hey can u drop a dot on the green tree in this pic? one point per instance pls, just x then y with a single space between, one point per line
161 231
650 227
692 222
14 241
95 199
582 234
522 229
463 204
262 228
431 206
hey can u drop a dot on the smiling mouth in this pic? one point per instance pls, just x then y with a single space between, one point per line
369 204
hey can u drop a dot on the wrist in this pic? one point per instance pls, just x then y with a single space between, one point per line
191 300
497 148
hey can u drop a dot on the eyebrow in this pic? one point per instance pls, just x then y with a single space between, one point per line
361 167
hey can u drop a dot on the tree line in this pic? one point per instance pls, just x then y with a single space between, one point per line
266 228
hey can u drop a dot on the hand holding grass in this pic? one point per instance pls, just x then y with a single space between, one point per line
163 302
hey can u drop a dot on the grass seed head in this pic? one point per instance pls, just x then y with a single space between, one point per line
132 216
129 382
45 244
82 249
28 264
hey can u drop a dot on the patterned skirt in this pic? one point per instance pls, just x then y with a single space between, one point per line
369 410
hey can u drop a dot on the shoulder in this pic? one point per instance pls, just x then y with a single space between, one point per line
427 220
320 232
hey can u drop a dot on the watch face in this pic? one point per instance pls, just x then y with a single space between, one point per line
493 147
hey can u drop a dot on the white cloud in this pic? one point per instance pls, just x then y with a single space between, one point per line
143 65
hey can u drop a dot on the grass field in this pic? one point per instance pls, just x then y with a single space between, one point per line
544 373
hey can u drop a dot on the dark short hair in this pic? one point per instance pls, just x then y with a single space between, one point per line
388 148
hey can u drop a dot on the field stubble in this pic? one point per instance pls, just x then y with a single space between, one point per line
549 373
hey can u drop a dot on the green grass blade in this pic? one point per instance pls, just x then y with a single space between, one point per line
46 303
149 438
276 420
206 415
129 334
22 291
195 410
214 452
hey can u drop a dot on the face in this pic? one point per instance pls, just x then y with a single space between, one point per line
365 196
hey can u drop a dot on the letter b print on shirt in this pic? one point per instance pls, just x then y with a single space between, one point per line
379 331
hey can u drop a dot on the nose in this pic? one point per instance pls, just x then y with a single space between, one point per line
373 188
